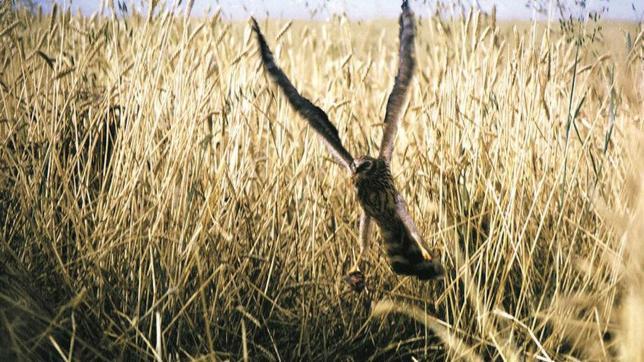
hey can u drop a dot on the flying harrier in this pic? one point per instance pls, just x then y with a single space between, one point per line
380 200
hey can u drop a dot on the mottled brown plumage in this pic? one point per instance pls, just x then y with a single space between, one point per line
381 202
372 178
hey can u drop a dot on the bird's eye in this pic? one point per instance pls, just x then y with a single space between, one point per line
364 166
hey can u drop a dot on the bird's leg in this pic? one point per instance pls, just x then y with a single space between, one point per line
356 278
365 232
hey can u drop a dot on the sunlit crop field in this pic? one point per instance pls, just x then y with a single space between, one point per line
160 199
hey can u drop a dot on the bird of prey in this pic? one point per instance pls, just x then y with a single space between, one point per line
377 194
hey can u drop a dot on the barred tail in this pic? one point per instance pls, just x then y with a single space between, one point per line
407 257
423 270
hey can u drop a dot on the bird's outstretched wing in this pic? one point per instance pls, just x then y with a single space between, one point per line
405 247
406 66
309 111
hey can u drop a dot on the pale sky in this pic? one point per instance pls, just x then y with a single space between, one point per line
363 9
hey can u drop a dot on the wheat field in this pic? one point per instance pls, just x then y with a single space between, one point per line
159 198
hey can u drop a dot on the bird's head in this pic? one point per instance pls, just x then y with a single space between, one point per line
365 167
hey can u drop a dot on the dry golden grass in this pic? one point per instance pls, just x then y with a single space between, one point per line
159 198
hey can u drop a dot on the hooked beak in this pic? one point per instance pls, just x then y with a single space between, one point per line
353 167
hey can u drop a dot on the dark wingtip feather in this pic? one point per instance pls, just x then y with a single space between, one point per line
255 28
265 51
258 33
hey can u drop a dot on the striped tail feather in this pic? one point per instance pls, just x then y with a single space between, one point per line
423 270
404 245
406 255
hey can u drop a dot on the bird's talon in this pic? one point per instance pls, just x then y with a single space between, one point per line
356 280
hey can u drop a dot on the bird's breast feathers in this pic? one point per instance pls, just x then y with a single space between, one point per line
379 203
